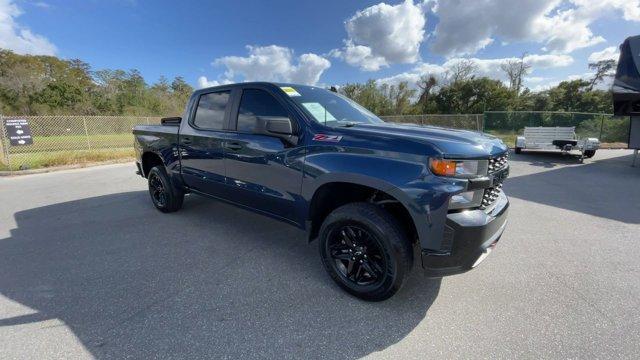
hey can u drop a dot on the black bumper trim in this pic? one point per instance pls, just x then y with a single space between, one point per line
474 232
139 171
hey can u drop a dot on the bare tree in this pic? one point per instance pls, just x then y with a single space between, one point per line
426 83
603 69
462 70
516 70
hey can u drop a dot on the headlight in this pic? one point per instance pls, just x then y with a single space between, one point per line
466 200
458 168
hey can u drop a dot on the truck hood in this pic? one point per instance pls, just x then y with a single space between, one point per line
452 143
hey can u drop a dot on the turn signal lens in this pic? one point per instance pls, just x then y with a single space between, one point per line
463 169
443 167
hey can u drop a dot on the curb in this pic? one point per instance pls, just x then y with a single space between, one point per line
4 173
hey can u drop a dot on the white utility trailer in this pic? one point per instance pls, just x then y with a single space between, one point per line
554 138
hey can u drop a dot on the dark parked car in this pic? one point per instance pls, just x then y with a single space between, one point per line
373 194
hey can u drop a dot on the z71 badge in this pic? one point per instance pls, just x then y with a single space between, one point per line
330 138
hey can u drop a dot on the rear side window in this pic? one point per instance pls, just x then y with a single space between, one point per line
211 110
256 103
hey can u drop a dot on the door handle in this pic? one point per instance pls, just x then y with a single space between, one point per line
186 140
233 146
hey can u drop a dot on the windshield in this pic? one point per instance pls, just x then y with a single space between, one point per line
329 108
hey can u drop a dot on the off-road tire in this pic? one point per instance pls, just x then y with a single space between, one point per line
170 197
383 230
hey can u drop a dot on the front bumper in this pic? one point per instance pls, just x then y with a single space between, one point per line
471 235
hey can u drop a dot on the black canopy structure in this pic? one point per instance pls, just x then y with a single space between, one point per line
626 89
626 86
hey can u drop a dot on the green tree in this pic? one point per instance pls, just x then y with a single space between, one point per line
473 96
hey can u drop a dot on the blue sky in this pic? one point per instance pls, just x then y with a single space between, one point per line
324 42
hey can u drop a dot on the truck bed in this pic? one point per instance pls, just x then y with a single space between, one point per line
154 137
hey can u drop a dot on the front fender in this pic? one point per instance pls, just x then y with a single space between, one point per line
408 180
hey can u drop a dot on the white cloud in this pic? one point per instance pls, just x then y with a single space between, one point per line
203 82
42 5
274 63
360 55
17 38
583 76
545 86
550 83
383 34
630 9
610 53
484 67
561 26
546 61
535 79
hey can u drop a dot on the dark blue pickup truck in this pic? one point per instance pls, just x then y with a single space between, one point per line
373 194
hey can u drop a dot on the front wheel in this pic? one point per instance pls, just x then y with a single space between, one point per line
589 153
364 251
165 196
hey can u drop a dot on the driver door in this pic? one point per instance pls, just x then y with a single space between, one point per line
263 171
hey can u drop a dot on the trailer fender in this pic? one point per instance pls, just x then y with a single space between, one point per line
591 144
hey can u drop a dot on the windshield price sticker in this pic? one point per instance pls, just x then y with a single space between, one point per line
290 91
18 131
319 112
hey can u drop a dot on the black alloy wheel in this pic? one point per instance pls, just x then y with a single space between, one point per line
157 190
357 255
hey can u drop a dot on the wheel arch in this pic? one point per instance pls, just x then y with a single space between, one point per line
149 160
338 191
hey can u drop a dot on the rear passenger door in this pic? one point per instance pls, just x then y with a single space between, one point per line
201 143
262 170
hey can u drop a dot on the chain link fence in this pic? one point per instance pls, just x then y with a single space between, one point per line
612 131
454 121
65 140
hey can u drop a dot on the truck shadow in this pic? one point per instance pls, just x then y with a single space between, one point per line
210 281
605 187
547 159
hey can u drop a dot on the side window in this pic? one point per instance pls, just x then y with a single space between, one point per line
211 109
256 103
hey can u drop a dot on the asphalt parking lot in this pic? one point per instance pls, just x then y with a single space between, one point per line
88 268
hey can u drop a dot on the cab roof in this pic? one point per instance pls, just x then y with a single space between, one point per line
254 83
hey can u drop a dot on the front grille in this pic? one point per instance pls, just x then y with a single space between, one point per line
490 195
498 163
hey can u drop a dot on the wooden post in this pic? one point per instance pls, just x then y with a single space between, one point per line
86 132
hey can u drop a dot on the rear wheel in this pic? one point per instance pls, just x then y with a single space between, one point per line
364 251
165 196
518 150
589 153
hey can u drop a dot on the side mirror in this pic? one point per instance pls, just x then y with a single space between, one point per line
276 126
279 125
